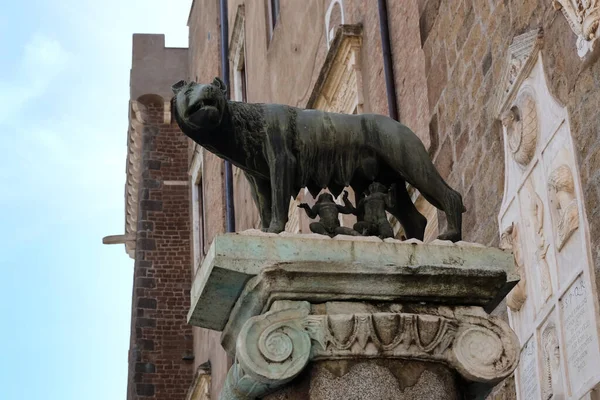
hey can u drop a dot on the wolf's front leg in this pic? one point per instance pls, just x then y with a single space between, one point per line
261 193
282 173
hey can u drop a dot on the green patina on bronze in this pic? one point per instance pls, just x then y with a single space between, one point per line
282 149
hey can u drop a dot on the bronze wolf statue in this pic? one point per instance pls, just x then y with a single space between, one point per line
282 149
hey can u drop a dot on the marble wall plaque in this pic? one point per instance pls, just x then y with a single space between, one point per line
542 197
528 377
580 334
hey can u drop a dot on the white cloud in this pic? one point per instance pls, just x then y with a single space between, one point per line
44 54
43 59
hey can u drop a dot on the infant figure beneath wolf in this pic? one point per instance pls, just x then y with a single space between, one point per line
328 211
370 210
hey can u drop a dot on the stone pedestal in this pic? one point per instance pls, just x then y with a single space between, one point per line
308 317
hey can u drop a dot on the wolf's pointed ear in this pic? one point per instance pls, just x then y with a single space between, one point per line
220 84
177 87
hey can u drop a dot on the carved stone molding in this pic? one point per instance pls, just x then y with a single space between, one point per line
481 349
521 60
583 16
275 347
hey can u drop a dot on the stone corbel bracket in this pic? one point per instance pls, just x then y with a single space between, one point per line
275 347
583 18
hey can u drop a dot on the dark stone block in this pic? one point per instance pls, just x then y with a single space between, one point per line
147 368
144 389
138 377
145 323
143 264
151 205
146 244
152 164
151 183
146 344
145 302
148 283
145 226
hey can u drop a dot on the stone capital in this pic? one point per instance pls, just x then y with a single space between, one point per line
282 306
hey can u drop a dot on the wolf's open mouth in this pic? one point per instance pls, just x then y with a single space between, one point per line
200 105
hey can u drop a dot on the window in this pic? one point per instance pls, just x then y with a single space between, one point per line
198 213
243 82
201 233
272 16
237 54
239 78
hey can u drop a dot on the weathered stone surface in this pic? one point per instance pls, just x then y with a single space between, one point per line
275 347
343 269
371 379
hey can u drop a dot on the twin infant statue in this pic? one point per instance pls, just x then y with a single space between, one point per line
370 210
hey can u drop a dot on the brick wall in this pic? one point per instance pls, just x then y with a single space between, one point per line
160 336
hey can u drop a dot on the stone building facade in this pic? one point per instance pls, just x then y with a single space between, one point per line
504 95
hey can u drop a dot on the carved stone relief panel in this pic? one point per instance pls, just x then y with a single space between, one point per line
554 309
510 240
521 125
534 218
562 189
521 309
551 361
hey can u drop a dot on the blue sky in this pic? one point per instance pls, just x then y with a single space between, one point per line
65 301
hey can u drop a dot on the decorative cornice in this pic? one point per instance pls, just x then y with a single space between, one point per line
343 54
584 17
520 62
